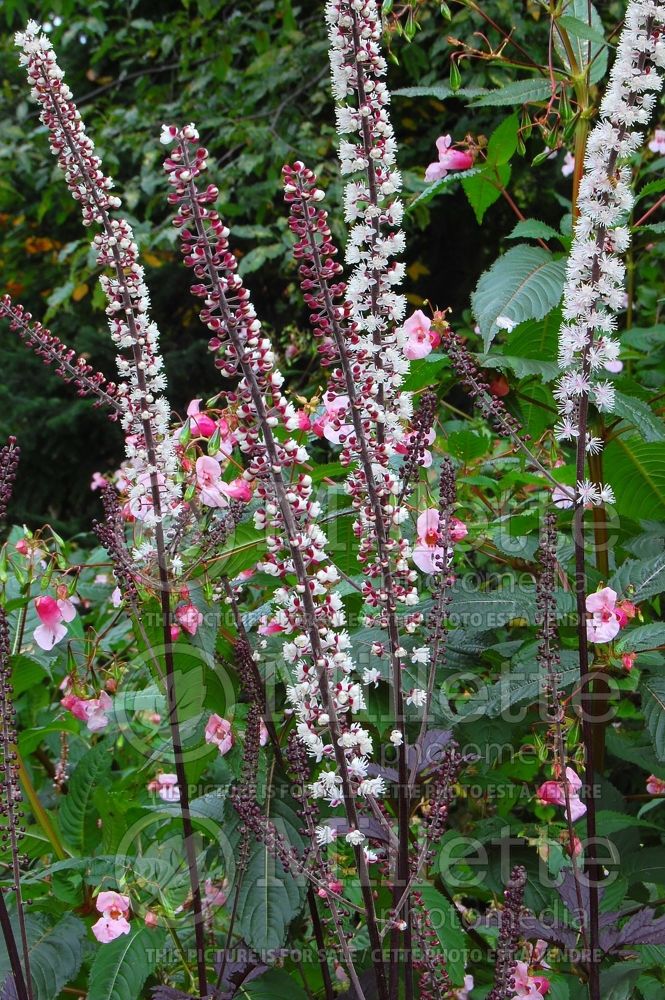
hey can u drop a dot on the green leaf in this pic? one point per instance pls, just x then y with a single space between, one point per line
503 141
578 11
645 637
581 29
438 187
637 470
653 706
533 229
56 953
76 812
525 283
484 189
516 92
446 922
609 822
640 579
276 984
640 414
120 968
522 367
439 91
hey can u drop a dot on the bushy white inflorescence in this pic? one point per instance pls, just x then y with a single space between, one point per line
594 289
367 153
145 415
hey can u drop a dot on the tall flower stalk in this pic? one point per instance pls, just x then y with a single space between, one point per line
145 414
592 296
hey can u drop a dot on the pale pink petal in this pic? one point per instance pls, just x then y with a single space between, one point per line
435 172
46 637
601 600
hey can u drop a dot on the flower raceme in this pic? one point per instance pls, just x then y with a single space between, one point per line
553 793
449 159
594 289
113 923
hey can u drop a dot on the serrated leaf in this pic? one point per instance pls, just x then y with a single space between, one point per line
77 806
437 187
120 968
56 953
503 141
638 477
525 283
640 579
653 706
641 416
516 92
644 637
533 229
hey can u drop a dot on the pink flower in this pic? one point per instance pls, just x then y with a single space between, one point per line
98 481
237 489
189 617
166 786
552 793
604 623
96 709
200 423
116 597
428 554
330 425
114 909
304 422
655 786
151 919
657 144
462 993
264 735
76 706
208 474
51 616
175 633
568 165
404 446
449 159
625 611
218 732
561 497
215 895
22 547
530 987
420 336
628 661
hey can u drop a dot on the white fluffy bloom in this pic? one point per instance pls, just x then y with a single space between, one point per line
594 290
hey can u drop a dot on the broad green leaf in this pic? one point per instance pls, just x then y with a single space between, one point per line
522 367
644 637
446 922
56 953
484 188
76 812
537 339
640 414
525 283
640 579
120 969
637 474
581 29
515 92
533 229
503 141
609 822
276 984
653 706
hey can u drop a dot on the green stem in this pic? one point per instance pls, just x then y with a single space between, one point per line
38 810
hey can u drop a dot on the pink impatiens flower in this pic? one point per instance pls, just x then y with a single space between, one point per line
114 909
428 553
218 732
655 786
605 621
449 159
214 492
421 338
568 165
92 711
200 423
526 986
52 613
166 786
330 424
189 616
552 793
657 144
